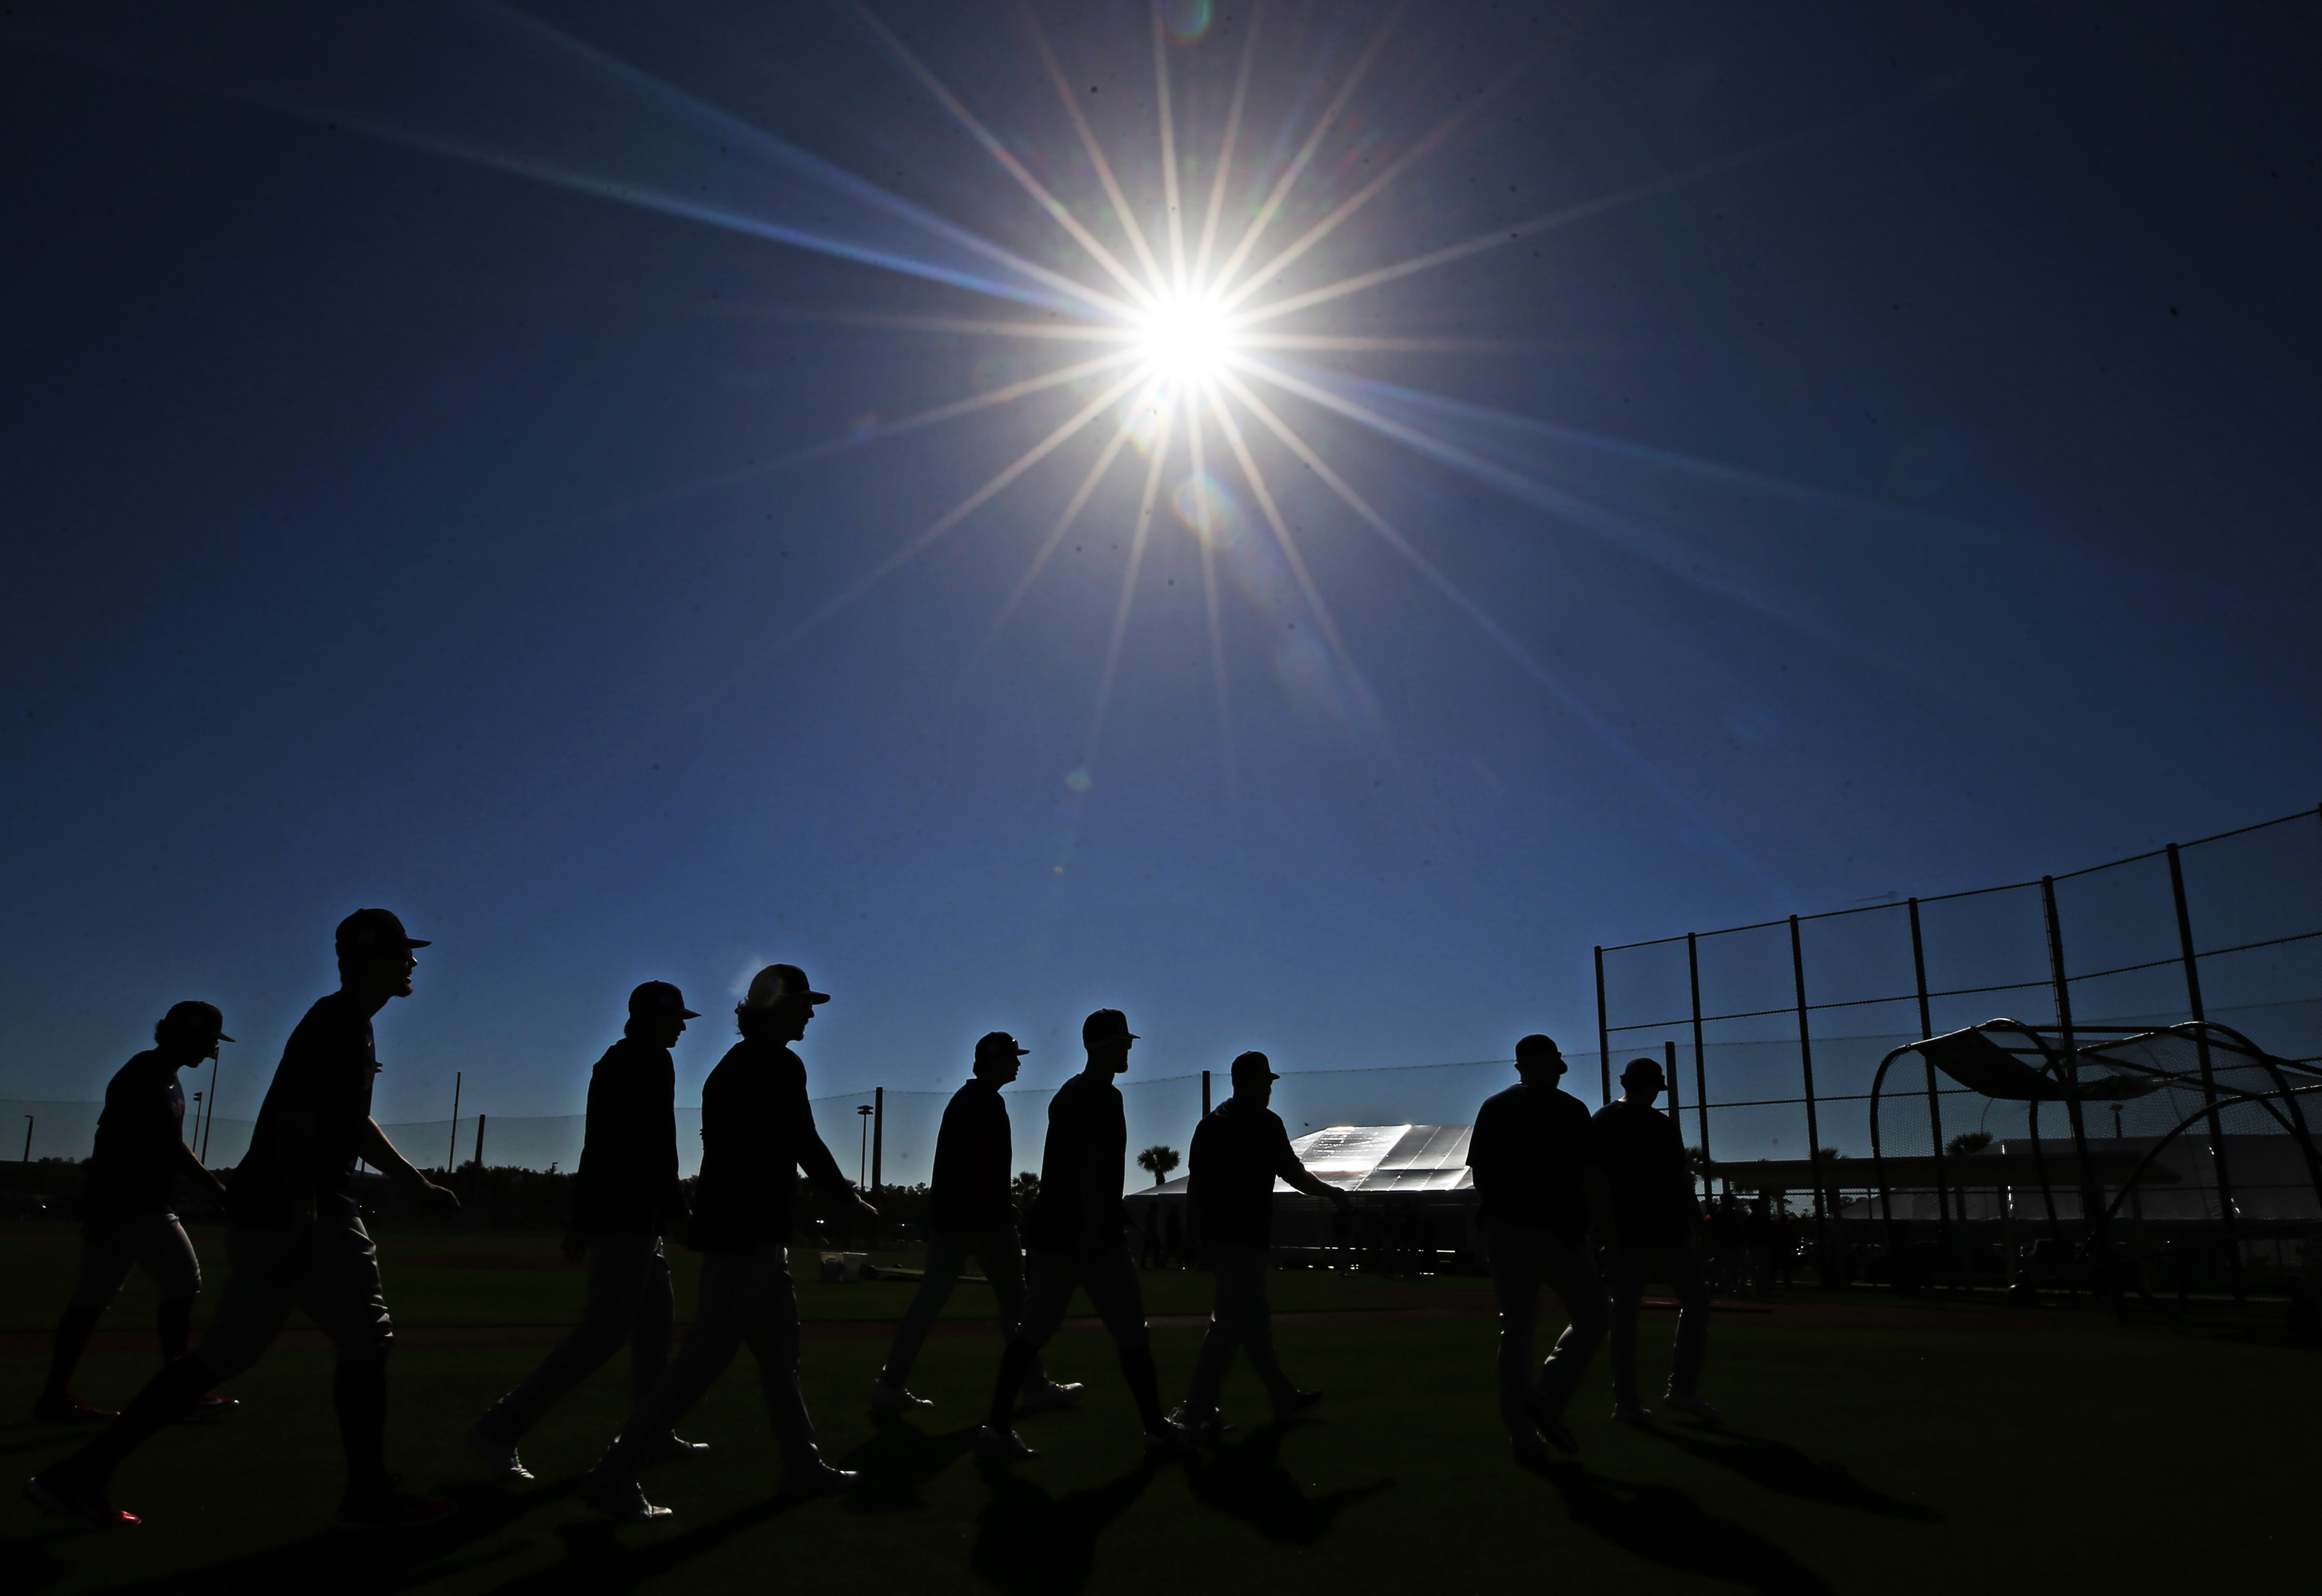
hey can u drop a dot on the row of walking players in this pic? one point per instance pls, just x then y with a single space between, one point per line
1547 1175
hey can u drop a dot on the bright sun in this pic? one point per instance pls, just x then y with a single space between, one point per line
1185 335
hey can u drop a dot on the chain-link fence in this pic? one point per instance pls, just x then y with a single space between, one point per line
1778 1028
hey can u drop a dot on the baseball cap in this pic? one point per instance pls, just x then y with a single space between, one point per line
659 999
1106 1025
194 1015
780 980
1253 1066
998 1045
369 929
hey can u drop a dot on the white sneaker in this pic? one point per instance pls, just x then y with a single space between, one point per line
1001 1445
506 1465
895 1398
816 1479
1688 1401
1040 1395
616 1498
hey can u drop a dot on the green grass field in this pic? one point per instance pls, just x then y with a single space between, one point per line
2069 1454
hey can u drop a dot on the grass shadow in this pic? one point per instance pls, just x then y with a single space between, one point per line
1031 1544
1782 1468
1248 1481
897 1461
597 1559
1667 1527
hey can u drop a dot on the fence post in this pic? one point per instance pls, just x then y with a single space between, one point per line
1603 1039
878 1130
1700 1070
2208 1081
2091 1203
1813 1124
1948 1240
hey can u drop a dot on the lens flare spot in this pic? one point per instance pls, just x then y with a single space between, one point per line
1079 780
1207 507
1186 20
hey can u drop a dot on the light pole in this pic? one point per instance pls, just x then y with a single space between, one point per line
195 1140
205 1149
28 1141
863 1159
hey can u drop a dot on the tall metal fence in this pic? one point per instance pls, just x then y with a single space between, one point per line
1778 1027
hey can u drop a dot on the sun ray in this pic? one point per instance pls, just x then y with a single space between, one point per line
1292 554
862 437
1515 232
1091 146
1673 556
1203 535
1128 585
982 326
1226 146
1342 344
1297 167
1056 209
1161 97
920 542
1056 537
1627 752
1362 197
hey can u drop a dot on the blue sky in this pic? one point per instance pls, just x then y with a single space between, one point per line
1883 461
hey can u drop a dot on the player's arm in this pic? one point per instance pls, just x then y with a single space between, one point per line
1301 1178
199 1171
812 1155
374 1149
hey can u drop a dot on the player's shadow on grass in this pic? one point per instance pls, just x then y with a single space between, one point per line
1781 1467
596 1558
1248 1482
326 1560
897 1461
1668 1528
1031 1544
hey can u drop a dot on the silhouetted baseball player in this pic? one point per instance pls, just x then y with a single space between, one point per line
1655 1222
1077 1236
1239 1150
1535 1156
127 1218
972 1214
296 1239
625 1198
758 1132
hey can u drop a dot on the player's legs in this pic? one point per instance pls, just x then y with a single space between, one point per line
946 1253
1572 1277
771 1328
1109 1275
1681 1266
1050 1277
1237 1320
107 1252
1512 1253
728 1291
624 1266
166 1253
1627 1290
340 1290
655 1322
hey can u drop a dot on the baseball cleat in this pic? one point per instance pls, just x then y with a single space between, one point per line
91 1505
1040 1395
620 1499
499 1455
816 1479
1688 1401
68 1409
213 1406
672 1447
896 1399
996 1446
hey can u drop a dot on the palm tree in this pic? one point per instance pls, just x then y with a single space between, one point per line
1158 1161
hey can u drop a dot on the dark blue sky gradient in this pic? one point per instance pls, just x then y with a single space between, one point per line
1927 499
